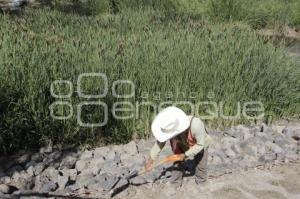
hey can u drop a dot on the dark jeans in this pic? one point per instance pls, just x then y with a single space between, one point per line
200 167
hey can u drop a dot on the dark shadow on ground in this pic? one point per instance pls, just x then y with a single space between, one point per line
44 195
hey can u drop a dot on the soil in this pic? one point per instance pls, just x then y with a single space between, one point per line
280 182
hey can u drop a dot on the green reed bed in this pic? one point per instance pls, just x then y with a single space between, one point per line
157 54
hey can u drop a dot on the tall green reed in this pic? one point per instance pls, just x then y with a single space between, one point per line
156 54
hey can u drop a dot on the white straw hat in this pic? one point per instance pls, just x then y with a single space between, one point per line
168 123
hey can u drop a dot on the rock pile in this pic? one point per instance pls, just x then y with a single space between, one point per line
106 171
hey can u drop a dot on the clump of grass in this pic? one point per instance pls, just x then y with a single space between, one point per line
83 7
295 15
257 13
226 9
156 54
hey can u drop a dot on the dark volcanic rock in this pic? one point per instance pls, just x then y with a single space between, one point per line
62 181
228 142
139 180
37 157
14 169
216 159
253 146
39 168
106 181
47 149
112 169
293 133
229 153
240 132
85 180
70 173
53 158
273 148
119 171
7 189
30 164
266 158
130 148
101 152
68 162
86 155
81 165
280 140
111 156
109 166
123 183
49 187
23 159
150 177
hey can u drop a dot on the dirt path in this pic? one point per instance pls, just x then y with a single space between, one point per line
279 182
290 35
294 49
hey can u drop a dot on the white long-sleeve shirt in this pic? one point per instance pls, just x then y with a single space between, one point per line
198 131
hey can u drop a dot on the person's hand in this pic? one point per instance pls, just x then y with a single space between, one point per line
174 158
182 157
149 164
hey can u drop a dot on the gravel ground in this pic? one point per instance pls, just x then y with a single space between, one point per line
110 171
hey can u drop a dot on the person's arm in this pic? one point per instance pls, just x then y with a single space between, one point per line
154 152
198 131
156 149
